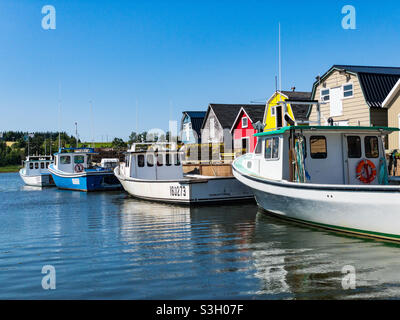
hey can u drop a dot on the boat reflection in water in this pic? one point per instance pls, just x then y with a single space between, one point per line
301 262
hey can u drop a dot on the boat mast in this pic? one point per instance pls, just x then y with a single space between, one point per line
91 121
59 116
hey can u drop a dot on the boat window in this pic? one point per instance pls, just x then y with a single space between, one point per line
168 159
55 160
79 159
31 165
318 148
42 165
127 160
160 161
271 148
258 148
140 160
65 160
36 165
47 164
353 147
177 160
371 147
150 160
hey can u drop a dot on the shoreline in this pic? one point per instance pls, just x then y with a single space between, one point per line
10 169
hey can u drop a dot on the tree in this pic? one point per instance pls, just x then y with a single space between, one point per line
118 143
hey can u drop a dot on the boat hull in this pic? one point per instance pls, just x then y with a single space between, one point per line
372 212
42 180
86 181
187 191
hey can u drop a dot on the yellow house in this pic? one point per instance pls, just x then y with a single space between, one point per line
274 116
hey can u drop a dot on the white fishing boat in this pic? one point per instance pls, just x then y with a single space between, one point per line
35 171
157 174
333 177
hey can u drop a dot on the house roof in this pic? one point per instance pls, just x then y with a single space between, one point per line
227 113
376 82
392 95
254 113
196 118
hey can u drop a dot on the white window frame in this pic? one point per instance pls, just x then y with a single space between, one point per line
352 90
273 111
247 122
329 94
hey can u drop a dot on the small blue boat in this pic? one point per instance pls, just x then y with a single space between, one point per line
73 170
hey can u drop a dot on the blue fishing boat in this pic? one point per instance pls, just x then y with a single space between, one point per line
73 170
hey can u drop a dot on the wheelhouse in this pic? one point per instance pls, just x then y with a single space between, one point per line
153 162
35 165
321 154
74 159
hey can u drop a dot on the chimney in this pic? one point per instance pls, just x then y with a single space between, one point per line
293 88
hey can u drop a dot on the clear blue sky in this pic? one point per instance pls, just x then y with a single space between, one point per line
170 56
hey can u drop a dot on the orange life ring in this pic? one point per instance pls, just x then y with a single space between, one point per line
366 171
79 167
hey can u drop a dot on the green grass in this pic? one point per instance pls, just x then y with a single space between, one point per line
11 168
89 145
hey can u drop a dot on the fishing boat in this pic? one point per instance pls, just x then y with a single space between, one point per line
73 170
157 174
334 177
35 171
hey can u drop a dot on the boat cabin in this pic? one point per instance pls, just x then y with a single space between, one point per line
321 155
150 161
35 165
74 160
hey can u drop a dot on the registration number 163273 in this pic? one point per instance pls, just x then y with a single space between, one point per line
177 191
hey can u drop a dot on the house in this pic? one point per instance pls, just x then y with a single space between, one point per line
274 116
353 95
392 105
217 124
191 126
244 128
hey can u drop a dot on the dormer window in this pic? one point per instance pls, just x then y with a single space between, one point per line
245 122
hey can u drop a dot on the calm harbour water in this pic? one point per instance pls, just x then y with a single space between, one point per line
111 246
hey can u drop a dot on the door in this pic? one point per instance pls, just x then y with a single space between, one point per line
245 145
336 107
352 156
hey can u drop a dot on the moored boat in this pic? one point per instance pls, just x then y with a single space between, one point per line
35 171
157 174
333 177
73 170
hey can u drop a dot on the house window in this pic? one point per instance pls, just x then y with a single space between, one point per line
65 160
140 160
244 122
325 95
348 90
273 111
272 149
318 148
371 147
353 147
212 128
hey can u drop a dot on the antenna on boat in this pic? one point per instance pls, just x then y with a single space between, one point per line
59 115
91 121
279 59
76 133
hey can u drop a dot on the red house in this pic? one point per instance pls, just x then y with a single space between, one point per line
243 128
